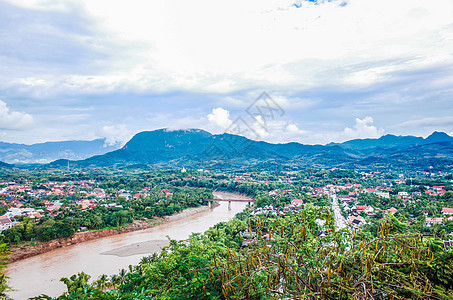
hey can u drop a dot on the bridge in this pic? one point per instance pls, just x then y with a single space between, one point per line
249 201
231 200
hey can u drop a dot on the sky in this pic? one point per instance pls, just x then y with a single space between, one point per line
330 71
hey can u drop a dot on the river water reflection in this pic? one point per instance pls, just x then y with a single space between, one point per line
41 274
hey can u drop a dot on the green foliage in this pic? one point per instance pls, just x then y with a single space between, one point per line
3 278
291 257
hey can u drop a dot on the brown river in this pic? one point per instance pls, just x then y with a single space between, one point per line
41 274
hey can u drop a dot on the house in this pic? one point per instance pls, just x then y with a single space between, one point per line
392 210
383 194
433 221
53 207
403 194
365 209
344 198
36 216
5 223
125 195
369 191
274 192
432 193
13 212
438 187
109 205
355 220
447 211
167 193
297 202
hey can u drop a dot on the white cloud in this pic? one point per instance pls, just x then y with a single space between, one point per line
292 128
260 128
13 120
257 128
194 45
116 134
220 117
45 5
363 129
428 122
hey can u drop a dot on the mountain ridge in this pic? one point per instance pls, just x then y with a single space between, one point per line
164 148
390 140
13 153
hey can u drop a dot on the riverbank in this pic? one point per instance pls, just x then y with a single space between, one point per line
19 253
41 274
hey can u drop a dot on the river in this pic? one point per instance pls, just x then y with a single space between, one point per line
41 274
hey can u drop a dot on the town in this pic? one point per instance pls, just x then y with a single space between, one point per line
420 202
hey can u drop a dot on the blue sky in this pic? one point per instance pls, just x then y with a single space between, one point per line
338 69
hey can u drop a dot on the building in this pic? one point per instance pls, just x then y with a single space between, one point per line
383 194
5 223
297 202
392 210
355 221
433 221
366 209
447 211
403 194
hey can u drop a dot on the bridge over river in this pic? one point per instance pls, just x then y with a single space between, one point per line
229 200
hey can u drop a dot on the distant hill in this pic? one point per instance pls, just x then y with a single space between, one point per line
199 149
392 141
50 151
5 165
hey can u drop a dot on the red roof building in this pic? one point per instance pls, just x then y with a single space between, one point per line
447 211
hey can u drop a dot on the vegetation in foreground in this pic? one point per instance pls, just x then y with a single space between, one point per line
295 256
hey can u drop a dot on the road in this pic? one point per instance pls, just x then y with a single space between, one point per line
340 222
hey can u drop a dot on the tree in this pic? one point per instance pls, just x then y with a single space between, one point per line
76 283
3 278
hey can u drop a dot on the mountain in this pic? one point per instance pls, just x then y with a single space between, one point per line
5 165
199 149
386 141
50 151
437 137
393 141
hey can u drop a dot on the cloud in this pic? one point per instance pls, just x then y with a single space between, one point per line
363 129
13 120
162 46
292 128
324 63
428 122
260 128
116 134
220 117
276 129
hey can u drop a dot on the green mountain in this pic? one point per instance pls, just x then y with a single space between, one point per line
197 148
392 141
5 165
50 151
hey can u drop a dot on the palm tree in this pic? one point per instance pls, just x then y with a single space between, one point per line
145 260
123 276
103 282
